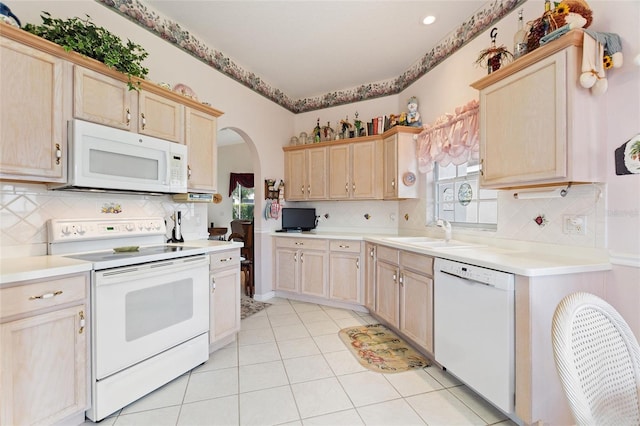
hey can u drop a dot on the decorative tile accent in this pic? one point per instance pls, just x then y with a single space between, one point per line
171 31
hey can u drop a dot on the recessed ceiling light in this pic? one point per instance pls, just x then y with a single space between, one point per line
428 20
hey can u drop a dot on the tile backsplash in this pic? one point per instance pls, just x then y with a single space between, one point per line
26 208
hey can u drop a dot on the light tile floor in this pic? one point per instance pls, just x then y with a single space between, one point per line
289 367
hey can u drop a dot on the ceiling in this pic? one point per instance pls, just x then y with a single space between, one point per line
310 48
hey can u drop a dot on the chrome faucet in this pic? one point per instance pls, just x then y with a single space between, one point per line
444 224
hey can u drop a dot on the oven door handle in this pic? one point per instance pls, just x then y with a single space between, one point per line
126 273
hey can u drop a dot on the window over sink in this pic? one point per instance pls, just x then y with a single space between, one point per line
459 199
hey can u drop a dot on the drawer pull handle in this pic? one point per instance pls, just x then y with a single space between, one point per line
299 243
82 322
228 259
46 295
343 246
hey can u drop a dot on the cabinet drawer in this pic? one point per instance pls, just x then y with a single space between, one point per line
301 243
27 298
388 254
348 246
224 259
420 263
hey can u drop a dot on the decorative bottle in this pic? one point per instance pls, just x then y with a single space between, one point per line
520 39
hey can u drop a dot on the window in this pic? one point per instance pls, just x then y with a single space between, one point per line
242 202
458 198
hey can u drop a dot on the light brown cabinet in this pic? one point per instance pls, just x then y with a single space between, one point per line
201 131
345 276
306 174
44 327
224 315
36 103
364 168
404 293
538 126
106 100
355 170
399 163
301 266
370 276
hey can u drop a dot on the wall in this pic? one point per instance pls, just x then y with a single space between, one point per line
231 158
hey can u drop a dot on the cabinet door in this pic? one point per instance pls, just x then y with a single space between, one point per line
312 267
44 367
286 269
370 277
225 304
339 174
387 293
416 308
294 175
344 277
390 167
160 117
33 114
200 138
366 179
102 99
316 174
523 125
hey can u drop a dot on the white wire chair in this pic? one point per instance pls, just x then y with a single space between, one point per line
598 360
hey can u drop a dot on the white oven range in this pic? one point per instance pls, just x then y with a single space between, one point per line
149 305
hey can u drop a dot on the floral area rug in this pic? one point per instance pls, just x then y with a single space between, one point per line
248 306
379 349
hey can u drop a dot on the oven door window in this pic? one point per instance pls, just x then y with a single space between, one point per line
174 300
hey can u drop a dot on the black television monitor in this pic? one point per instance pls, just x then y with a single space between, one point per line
298 219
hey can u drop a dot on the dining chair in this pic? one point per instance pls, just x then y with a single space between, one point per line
598 361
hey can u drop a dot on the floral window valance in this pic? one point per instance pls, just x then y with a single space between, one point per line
453 138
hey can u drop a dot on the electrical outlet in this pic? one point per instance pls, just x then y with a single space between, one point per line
574 225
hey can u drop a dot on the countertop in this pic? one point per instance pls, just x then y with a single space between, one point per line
529 260
37 267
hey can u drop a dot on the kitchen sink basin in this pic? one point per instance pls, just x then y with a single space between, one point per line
413 240
438 244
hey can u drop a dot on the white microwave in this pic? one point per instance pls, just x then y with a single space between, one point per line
102 158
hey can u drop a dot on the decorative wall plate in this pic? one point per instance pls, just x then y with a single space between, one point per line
217 198
185 90
409 178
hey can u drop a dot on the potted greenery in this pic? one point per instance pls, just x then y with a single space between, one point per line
84 37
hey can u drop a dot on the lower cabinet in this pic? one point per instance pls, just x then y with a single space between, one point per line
45 346
224 315
370 276
345 277
301 266
321 268
404 293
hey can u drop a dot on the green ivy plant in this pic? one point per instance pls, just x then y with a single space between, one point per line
84 37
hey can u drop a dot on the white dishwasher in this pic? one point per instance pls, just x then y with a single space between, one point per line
474 324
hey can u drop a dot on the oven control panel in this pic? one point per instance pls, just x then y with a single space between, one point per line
95 229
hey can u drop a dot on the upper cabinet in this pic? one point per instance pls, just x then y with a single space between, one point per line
400 164
306 174
35 106
200 137
353 169
538 126
43 87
